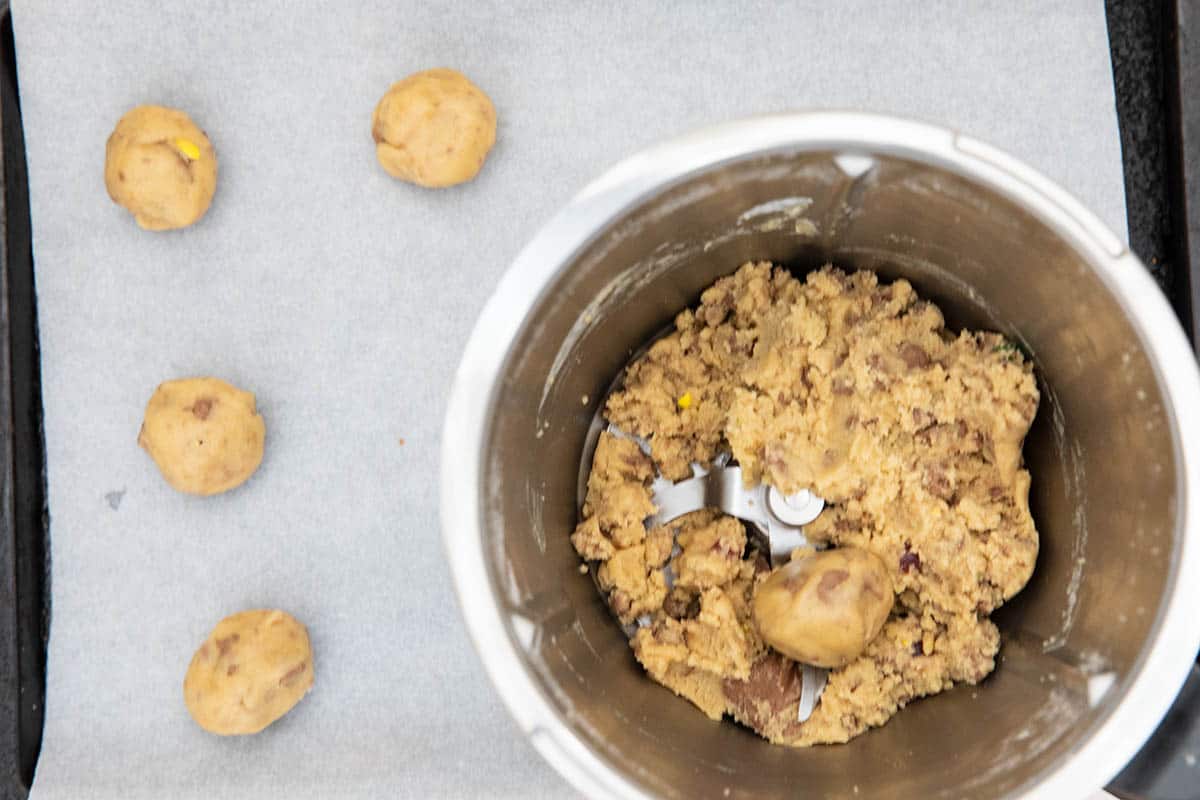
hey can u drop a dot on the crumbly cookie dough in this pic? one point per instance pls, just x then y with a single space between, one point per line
857 391
251 670
434 128
160 167
205 435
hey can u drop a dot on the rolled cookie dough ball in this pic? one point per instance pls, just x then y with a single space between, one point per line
434 128
205 436
250 671
160 167
824 609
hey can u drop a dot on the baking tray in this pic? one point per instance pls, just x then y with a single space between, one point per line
1154 69
24 555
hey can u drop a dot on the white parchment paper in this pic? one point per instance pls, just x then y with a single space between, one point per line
343 299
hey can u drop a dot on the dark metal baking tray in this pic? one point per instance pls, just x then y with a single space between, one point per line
1157 77
24 563
1156 70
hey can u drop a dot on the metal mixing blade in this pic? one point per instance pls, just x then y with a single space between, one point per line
781 518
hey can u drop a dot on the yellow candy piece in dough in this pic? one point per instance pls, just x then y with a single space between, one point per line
188 148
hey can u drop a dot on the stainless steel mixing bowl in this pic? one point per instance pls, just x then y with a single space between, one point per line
1096 646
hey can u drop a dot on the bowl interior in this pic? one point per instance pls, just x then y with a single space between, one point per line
1100 452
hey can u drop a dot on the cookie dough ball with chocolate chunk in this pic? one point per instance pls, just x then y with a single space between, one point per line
434 128
205 435
824 609
160 167
251 670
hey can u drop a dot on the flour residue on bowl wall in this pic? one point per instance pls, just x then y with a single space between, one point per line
776 215
1074 479
1050 720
